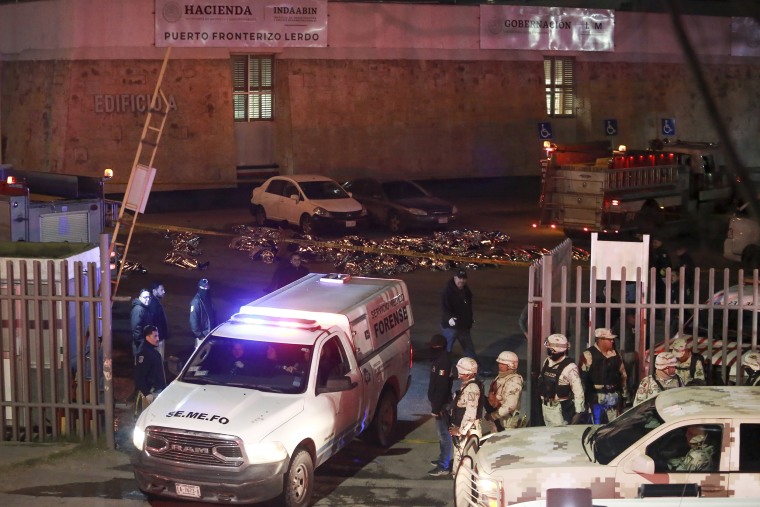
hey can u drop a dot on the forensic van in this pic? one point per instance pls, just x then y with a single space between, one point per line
276 390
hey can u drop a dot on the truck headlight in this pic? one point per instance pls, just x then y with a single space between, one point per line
266 452
138 438
418 212
490 492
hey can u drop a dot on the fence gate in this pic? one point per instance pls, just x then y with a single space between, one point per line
55 372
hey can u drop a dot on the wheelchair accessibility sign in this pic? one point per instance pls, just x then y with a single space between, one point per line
610 127
544 130
668 126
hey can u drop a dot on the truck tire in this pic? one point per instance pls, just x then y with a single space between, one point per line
394 222
383 425
299 480
307 225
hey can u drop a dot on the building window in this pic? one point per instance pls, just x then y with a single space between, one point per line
253 91
560 85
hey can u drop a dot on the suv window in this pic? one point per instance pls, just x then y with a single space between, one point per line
749 450
617 436
276 186
694 448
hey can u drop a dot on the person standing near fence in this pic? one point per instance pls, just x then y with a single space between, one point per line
559 385
150 379
504 393
140 317
467 407
664 377
604 377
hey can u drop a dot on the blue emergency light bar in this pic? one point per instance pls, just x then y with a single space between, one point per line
265 320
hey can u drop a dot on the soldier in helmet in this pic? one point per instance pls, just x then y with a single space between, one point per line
504 394
467 408
664 377
751 365
691 365
559 384
700 455
604 377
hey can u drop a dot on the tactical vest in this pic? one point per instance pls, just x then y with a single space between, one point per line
604 371
457 412
548 387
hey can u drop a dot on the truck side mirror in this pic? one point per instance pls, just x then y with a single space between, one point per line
335 385
642 464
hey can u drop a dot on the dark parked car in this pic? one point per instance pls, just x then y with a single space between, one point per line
401 204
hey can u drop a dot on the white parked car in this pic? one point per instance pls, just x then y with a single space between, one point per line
653 443
309 202
743 235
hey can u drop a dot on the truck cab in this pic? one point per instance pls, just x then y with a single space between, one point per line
277 390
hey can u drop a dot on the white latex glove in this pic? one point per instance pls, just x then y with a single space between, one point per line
150 398
239 364
452 321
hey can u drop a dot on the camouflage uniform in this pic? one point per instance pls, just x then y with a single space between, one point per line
504 397
465 416
648 388
552 408
698 459
683 369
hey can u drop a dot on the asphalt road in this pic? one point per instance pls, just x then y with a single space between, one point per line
361 474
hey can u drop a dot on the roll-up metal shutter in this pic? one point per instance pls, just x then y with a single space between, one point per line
73 227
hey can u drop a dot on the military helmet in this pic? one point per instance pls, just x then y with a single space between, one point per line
665 360
467 366
678 346
558 342
751 360
509 358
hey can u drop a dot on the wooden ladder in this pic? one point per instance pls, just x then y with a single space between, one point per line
141 175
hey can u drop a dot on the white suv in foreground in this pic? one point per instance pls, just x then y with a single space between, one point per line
645 445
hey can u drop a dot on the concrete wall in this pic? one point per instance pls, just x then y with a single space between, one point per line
401 90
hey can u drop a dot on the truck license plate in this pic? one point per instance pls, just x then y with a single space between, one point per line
443 220
351 223
188 490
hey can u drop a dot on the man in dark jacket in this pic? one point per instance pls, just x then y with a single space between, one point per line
439 394
157 292
288 272
457 318
149 374
139 318
202 316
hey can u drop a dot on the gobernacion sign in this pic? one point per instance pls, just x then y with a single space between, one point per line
546 28
241 23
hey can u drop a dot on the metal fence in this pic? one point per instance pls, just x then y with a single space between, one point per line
720 309
55 373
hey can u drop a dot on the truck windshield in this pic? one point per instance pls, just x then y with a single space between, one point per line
613 438
265 366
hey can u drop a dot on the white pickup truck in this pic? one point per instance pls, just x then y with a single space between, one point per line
277 390
649 444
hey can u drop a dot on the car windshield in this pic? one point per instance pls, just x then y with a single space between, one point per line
264 366
323 189
402 190
613 438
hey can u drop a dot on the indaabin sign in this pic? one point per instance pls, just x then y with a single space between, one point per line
240 23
